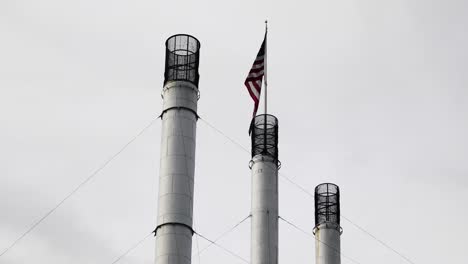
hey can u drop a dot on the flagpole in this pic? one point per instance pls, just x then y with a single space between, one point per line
265 61
266 85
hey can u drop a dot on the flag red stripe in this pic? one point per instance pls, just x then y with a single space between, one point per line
256 69
254 97
257 86
250 79
256 62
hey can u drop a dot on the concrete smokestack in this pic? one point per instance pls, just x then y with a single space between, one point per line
264 167
176 174
327 224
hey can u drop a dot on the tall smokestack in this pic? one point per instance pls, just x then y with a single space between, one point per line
176 174
327 224
264 167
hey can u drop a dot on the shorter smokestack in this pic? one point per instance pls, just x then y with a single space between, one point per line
327 224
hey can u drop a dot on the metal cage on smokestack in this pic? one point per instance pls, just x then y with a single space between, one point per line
264 168
177 165
327 224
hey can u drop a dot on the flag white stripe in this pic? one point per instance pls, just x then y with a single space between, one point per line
259 58
259 82
257 66
255 74
254 90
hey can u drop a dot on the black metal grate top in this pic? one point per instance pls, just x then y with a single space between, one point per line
327 204
182 59
264 133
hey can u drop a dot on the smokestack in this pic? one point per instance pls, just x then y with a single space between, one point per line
264 167
176 174
327 224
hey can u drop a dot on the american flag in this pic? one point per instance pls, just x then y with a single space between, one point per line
253 82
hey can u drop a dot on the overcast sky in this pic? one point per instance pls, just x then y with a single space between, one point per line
371 95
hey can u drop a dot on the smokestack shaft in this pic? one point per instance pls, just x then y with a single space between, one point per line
327 244
264 248
176 177
327 224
